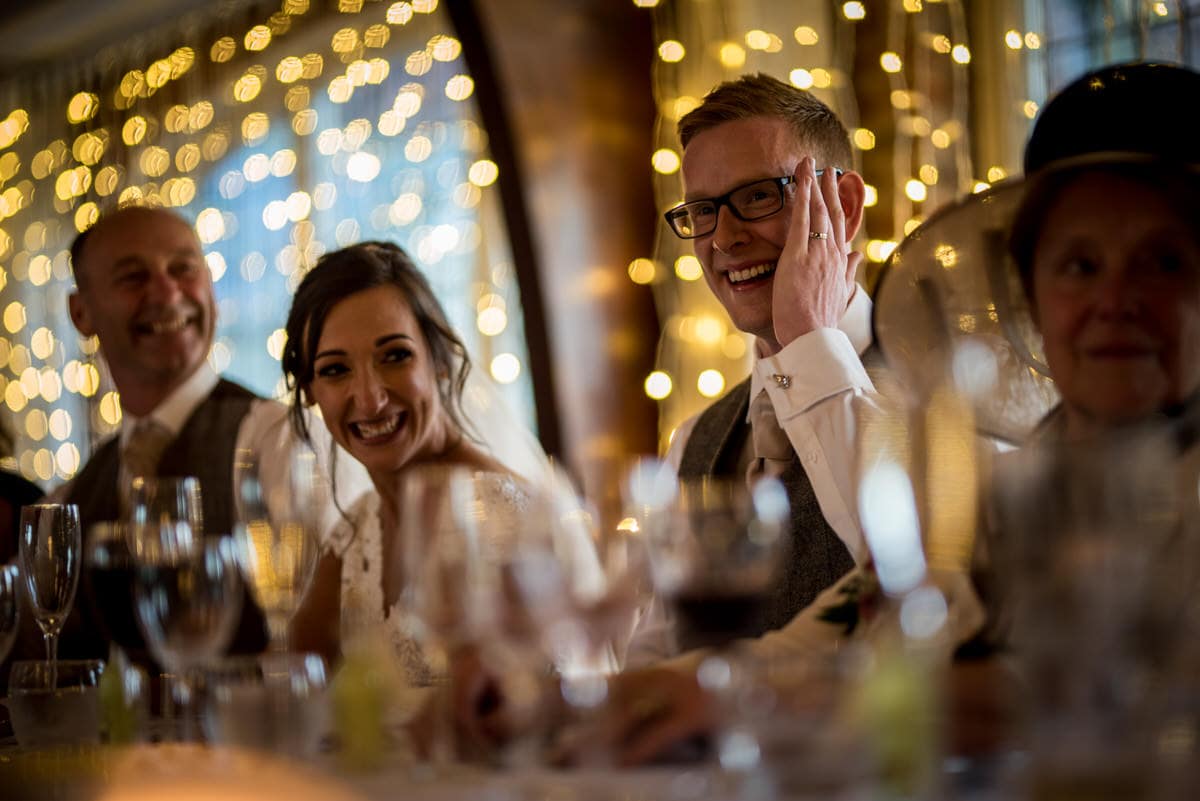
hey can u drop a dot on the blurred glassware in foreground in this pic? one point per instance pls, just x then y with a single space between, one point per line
273 702
55 705
166 516
109 573
717 549
456 528
1098 570
188 599
276 533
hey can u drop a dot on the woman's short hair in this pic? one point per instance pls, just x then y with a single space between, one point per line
761 95
358 268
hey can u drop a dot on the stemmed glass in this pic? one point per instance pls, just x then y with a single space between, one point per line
716 550
454 531
49 551
109 567
574 602
164 512
9 605
188 599
277 532
438 554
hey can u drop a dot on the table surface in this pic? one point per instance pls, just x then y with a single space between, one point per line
185 771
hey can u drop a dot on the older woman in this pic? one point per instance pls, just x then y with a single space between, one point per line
1083 277
370 346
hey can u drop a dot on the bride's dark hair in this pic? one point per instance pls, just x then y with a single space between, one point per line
354 269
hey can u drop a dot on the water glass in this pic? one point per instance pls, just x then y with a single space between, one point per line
273 702
50 546
188 602
57 705
166 515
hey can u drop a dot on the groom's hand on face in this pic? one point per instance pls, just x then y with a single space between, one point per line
814 277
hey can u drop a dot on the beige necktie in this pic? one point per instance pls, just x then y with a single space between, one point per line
772 450
143 449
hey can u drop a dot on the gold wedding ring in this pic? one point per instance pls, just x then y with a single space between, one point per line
817 235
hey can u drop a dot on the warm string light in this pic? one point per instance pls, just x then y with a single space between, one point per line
257 144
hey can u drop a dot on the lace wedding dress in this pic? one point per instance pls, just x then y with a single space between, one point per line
359 544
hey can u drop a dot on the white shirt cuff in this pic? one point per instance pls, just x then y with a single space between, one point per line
811 368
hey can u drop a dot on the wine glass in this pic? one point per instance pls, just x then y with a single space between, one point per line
716 550
454 530
164 512
49 551
187 595
277 531
437 549
573 602
109 568
10 577
715 553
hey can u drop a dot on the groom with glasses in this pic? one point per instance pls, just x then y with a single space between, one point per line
771 208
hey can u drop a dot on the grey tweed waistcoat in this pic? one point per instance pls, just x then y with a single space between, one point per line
204 449
818 556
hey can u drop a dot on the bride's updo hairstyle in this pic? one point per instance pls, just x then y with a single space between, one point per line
351 270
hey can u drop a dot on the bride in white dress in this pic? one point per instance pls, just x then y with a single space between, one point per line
370 346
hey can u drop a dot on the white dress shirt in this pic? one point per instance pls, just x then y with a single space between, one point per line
818 411
827 390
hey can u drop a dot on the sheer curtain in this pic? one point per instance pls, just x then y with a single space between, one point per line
282 131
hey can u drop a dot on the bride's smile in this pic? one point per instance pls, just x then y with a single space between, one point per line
373 430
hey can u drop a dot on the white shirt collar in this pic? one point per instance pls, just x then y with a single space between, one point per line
855 324
177 407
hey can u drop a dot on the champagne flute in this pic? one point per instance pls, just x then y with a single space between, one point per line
10 577
277 532
49 551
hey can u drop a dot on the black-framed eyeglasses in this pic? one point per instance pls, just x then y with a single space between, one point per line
748 202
